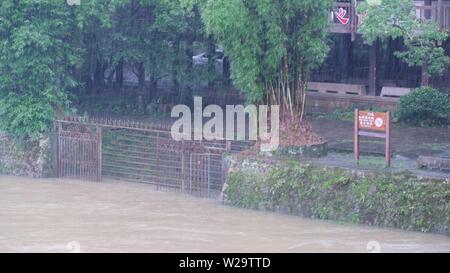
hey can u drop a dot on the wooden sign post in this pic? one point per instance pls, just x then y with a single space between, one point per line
373 124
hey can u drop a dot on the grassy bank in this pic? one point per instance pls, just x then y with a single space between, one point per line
380 199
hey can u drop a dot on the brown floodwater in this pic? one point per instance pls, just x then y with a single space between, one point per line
50 215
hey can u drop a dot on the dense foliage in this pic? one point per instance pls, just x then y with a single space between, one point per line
424 106
52 52
49 48
272 45
422 38
38 52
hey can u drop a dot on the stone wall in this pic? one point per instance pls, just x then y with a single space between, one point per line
306 151
434 163
380 199
25 158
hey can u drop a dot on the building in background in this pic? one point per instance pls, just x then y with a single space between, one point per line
355 68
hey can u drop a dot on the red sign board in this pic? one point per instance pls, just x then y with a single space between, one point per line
375 121
373 124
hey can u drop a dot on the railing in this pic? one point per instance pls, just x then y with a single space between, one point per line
438 13
446 18
134 151
426 13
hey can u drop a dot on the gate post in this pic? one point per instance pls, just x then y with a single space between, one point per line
58 149
157 161
209 174
183 167
99 153
190 172
228 146
55 146
356 137
388 139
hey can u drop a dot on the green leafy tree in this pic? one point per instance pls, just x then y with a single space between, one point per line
43 44
39 50
152 37
181 27
397 19
272 45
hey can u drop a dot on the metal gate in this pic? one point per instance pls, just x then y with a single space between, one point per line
200 173
206 173
92 149
154 158
79 152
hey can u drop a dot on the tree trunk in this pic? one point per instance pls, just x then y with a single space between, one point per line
350 46
175 65
343 53
211 51
153 88
394 71
189 52
85 75
119 73
226 71
141 75
373 68
425 76
104 69
99 74
110 77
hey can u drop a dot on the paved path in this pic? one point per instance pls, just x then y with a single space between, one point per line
407 145
377 163
406 142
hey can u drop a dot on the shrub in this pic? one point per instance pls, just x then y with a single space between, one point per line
424 106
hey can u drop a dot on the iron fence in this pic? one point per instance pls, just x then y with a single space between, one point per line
92 149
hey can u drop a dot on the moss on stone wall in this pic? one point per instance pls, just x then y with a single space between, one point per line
25 158
315 150
389 200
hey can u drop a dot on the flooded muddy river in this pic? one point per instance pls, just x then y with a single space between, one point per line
50 215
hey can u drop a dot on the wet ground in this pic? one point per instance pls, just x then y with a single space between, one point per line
50 215
399 164
408 143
